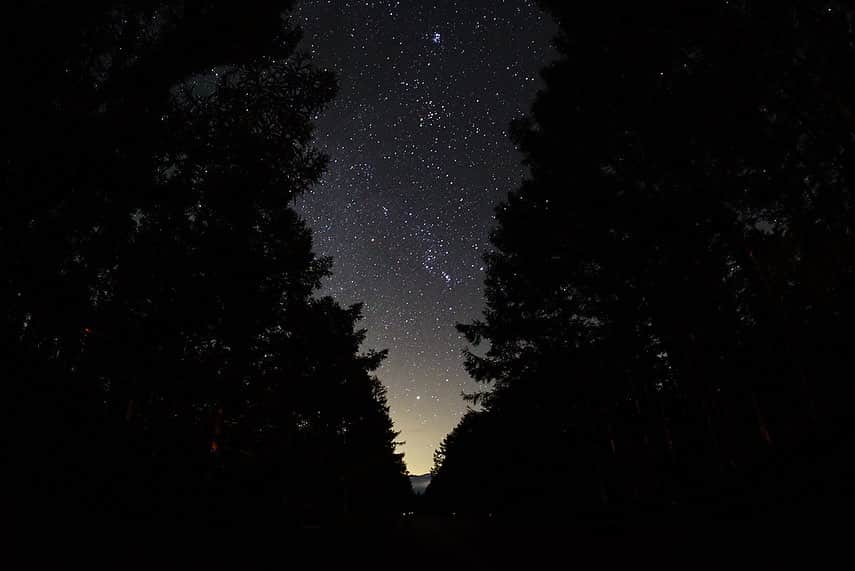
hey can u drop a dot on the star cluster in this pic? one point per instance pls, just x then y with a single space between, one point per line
419 156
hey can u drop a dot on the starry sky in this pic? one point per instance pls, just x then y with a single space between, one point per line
419 157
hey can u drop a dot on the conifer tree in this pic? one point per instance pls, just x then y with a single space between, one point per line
666 297
163 339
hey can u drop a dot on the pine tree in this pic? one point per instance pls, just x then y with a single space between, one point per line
162 332
667 290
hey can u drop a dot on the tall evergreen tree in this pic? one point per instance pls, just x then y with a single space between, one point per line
163 345
668 290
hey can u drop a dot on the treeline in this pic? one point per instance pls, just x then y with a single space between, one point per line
163 352
671 292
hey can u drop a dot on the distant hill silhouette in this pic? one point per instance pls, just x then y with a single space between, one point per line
420 483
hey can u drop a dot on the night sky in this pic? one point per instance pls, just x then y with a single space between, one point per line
419 156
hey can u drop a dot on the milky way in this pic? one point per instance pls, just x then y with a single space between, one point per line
419 156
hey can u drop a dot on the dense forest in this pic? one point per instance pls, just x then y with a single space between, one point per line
670 291
165 355
668 296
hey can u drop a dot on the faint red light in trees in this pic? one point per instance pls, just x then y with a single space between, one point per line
764 433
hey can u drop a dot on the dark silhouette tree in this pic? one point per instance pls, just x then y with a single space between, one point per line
163 347
668 291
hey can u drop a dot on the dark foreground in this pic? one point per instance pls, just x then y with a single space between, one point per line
442 542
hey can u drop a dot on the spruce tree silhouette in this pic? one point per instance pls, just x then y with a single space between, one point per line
666 298
164 350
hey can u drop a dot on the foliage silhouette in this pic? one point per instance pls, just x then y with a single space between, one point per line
668 295
164 352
